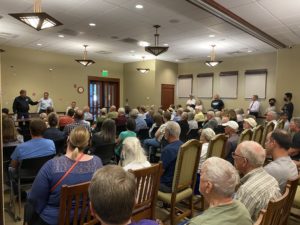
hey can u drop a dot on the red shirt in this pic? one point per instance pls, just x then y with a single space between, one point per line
65 120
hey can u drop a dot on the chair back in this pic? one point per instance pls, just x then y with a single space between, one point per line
275 208
280 124
184 129
193 134
257 133
143 134
268 128
216 146
74 204
246 135
293 184
148 180
60 146
260 218
186 166
105 152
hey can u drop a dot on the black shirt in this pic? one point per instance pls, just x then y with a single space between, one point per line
21 104
217 104
288 108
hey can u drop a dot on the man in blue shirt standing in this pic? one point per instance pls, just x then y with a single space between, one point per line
169 155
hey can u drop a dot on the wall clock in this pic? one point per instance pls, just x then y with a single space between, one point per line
80 90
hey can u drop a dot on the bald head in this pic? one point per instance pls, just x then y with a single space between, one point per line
253 152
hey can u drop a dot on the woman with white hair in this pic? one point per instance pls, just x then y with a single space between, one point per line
206 135
218 182
132 155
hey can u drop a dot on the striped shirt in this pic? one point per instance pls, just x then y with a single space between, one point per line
256 190
68 128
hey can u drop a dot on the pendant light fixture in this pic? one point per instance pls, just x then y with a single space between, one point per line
143 70
213 62
37 19
85 61
156 49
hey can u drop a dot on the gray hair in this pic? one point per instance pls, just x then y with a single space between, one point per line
121 110
208 133
296 121
191 116
184 116
253 152
221 174
211 113
132 151
273 114
134 113
173 129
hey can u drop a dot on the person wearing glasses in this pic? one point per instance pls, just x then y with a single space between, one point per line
257 187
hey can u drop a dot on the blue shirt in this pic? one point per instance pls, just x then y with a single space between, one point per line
37 147
140 123
46 203
168 158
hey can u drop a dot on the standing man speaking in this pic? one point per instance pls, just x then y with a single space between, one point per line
21 105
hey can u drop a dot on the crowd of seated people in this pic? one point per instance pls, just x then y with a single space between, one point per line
167 131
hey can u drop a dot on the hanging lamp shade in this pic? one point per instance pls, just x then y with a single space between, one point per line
143 70
38 20
212 62
85 61
156 49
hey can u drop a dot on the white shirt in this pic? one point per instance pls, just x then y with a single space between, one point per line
136 165
203 155
254 106
191 102
44 104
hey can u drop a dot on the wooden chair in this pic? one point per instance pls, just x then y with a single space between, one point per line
148 180
268 128
246 135
193 134
295 211
274 210
184 181
74 205
280 124
257 133
260 217
217 146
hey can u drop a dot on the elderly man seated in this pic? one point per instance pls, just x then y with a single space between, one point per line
257 186
139 121
217 184
231 129
272 117
210 122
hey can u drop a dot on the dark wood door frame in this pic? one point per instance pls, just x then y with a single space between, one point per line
165 86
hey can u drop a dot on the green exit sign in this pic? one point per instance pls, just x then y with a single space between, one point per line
104 73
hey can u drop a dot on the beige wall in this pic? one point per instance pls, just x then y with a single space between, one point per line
29 69
288 76
146 89
263 61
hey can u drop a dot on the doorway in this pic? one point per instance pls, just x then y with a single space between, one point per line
167 95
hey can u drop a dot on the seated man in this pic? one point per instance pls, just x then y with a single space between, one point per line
78 121
114 207
169 155
257 186
67 119
72 106
36 147
210 122
231 129
271 116
139 121
86 113
217 184
112 114
294 150
282 168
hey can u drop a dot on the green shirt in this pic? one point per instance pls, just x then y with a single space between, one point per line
122 137
231 214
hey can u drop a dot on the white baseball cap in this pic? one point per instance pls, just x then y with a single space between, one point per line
251 122
232 124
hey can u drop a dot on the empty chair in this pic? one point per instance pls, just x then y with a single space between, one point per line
246 135
184 180
217 146
257 133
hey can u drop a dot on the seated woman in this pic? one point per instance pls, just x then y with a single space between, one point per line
206 135
130 126
45 191
132 155
218 182
107 135
10 135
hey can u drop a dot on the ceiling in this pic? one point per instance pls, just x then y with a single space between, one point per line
185 28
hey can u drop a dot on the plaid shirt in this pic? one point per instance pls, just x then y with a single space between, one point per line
68 128
256 190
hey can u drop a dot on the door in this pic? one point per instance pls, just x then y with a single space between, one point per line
167 95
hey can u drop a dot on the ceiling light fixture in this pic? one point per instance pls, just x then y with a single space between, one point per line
92 24
85 61
156 49
212 62
143 70
139 6
38 20
143 43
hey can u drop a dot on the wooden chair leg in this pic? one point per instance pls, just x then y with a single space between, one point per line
172 214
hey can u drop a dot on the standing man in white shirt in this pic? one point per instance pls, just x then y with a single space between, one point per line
191 101
254 106
44 103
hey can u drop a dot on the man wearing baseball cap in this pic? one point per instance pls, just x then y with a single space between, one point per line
249 123
231 129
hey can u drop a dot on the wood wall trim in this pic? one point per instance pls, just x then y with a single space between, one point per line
185 76
205 74
229 73
257 71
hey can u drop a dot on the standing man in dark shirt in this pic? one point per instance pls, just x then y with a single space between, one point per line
21 105
288 106
217 104
169 155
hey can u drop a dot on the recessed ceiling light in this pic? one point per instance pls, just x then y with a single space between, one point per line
176 60
39 44
132 51
92 24
166 44
139 6
143 43
249 51
211 35
61 36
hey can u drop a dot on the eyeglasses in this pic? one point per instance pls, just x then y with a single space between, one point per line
236 155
